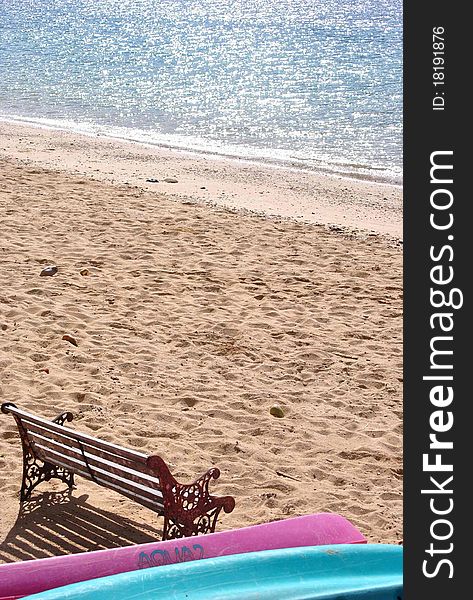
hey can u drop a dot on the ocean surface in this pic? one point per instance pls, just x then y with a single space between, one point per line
310 83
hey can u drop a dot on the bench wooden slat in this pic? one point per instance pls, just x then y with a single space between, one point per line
111 478
155 507
43 443
83 437
146 472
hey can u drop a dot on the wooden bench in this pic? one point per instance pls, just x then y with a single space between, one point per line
51 450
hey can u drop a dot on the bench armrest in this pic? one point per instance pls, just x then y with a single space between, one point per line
189 509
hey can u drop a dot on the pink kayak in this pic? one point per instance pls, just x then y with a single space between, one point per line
29 577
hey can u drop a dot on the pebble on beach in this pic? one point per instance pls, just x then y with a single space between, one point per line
170 180
276 411
49 271
69 338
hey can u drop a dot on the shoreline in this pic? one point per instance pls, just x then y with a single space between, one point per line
251 155
358 206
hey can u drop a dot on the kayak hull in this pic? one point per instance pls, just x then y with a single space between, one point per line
361 572
29 577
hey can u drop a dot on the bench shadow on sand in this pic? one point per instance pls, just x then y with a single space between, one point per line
53 524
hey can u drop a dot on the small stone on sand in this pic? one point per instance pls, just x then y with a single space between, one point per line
70 339
276 411
49 271
170 180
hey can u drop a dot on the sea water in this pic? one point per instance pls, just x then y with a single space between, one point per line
310 83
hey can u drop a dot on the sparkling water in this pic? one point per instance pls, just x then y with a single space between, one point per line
312 83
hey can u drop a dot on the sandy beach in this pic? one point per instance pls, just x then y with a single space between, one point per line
204 302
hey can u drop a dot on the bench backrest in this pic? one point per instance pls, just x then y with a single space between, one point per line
106 464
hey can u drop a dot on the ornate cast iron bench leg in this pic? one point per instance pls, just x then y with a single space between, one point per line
35 471
189 509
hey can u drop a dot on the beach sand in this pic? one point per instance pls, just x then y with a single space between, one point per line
193 320
307 196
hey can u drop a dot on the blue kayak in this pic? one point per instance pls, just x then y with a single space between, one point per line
335 572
